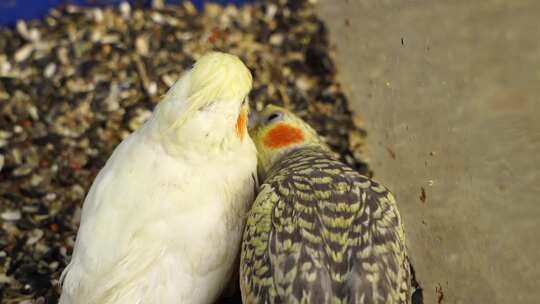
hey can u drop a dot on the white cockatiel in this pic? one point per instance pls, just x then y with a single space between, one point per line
163 220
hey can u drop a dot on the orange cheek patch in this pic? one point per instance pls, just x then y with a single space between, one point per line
283 135
241 123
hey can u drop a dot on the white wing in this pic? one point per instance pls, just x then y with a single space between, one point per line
108 240
148 214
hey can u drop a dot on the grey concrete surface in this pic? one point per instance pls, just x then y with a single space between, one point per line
452 88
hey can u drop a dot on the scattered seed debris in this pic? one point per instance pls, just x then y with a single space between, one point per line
422 195
391 152
11 215
440 294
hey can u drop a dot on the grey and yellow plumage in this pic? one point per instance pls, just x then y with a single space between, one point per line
318 232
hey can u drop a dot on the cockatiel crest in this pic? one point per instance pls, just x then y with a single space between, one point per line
163 219
215 76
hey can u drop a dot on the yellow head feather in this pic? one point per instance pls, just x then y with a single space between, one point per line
216 76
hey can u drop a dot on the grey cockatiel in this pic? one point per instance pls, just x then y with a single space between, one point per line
318 232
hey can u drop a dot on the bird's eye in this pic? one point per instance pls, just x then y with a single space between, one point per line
273 117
